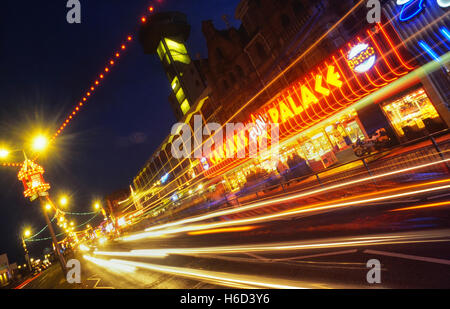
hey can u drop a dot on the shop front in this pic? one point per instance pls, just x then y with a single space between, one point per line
412 115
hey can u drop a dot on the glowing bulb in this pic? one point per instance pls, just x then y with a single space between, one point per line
39 143
4 153
63 201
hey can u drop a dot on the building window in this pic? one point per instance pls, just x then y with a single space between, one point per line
177 51
261 51
185 107
232 78
412 114
285 21
219 53
225 85
239 71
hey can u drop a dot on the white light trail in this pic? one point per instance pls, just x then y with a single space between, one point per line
289 197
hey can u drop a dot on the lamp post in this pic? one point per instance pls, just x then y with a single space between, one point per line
45 201
26 234
31 175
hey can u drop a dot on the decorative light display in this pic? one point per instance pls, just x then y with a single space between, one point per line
412 8
97 82
31 175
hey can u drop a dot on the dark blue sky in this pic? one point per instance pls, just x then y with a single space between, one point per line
47 64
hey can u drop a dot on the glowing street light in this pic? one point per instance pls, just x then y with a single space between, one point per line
26 234
97 206
3 153
63 201
40 143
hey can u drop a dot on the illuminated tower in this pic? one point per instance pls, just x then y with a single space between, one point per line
165 35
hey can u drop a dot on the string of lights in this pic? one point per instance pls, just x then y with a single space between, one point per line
113 60
60 234
42 230
96 82
79 213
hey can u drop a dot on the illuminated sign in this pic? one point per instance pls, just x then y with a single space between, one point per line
357 69
361 58
164 178
411 8
443 3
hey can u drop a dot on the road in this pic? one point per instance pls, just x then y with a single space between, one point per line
322 246
320 236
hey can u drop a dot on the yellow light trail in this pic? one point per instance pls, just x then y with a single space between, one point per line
225 230
217 277
290 197
355 241
446 203
285 214
110 265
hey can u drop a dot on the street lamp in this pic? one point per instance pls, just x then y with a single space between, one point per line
31 175
63 201
97 206
26 234
40 142
3 153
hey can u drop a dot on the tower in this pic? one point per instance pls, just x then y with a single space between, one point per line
165 35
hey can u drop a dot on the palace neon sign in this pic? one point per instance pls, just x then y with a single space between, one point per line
356 70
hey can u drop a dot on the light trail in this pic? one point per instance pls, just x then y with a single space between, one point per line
225 230
291 197
340 242
446 203
220 278
110 265
289 213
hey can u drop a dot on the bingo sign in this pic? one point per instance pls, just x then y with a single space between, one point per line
361 58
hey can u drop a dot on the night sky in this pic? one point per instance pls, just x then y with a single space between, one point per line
47 64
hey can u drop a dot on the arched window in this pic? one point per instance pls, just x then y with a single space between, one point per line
232 78
225 85
261 51
285 21
239 71
219 53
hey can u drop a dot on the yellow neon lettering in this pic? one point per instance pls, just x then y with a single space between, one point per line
333 78
308 97
319 88
274 115
286 113
297 109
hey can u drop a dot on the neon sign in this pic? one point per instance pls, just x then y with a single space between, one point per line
361 58
411 8
353 72
443 3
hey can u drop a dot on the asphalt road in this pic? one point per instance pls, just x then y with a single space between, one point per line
327 247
